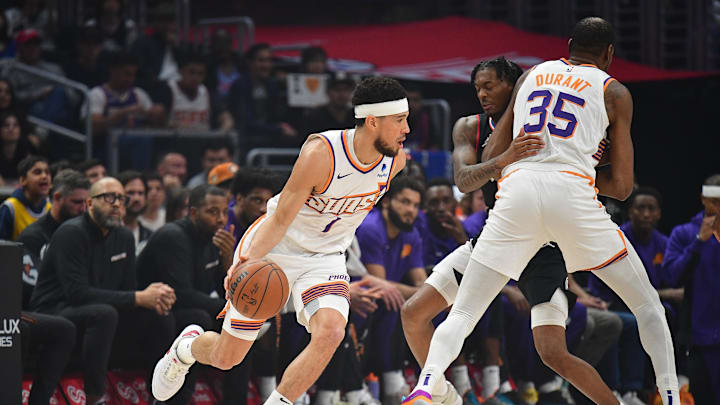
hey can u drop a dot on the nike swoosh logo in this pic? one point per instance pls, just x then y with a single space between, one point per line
285 401
344 175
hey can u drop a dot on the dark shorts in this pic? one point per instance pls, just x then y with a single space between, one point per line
545 273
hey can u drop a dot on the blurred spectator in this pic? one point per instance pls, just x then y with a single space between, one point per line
414 169
391 249
45 99
338 113
119 103
445 231
421 131
172 168
313 59
88 277
158 51
52 338
69 195
154 216
93 169
692 259
188 101
135 190
257 102
7 43
8 101
190 255
176 203
118 32
29 202
215 153
30 14
223 66
251 189
58 166
222 175
86 65
14 147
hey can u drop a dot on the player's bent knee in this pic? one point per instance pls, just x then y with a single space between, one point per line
228 351
327 327
422 307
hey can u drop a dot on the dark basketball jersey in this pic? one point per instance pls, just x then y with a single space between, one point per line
484 129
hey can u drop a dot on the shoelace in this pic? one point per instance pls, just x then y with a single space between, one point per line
174 370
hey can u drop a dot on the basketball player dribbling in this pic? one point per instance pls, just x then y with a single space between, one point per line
570 103
337 179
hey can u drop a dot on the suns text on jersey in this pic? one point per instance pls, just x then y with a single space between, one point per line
345 205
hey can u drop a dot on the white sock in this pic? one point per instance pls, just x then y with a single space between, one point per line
666 396
550 386
461 379
184 350
325 397
392 382
490 381
266 385
353 397
277 398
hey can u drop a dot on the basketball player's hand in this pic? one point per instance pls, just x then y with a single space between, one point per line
517 299
593 302
362 300
709 224
230 271
521 147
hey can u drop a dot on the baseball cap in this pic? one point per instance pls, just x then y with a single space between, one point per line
222 173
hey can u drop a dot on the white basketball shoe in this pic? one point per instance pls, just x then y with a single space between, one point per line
169 374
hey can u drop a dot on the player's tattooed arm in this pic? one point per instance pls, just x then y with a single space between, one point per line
469 174
616 181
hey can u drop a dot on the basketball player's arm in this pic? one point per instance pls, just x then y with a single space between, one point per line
470 174
616 181
310 173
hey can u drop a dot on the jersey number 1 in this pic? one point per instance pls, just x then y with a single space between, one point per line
557 112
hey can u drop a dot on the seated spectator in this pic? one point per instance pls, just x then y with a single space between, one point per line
117 31
222 175
7 43
215 153
45 99
251 190
177 203
58 166
116 317
188 101
391 249
93 169
135 190
692 259
86 65
158 51
419 120
223 66
14 147
338 113
191 255
313 59
257 103
29 14
30 201
119 103
172 168
69 194
154 216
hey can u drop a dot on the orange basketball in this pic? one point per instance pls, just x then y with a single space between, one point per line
258 289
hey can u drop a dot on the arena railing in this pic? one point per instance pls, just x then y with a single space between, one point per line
86 138
261 157
115 135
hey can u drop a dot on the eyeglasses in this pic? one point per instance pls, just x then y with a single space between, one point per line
110 198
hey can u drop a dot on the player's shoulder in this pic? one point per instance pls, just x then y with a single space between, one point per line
467 127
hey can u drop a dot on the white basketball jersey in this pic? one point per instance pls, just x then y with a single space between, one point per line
327 222
187 113
565 104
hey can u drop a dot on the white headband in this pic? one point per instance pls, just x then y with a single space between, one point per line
711 191
381 109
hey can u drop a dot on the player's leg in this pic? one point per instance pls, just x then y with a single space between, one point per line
591 241
548 328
